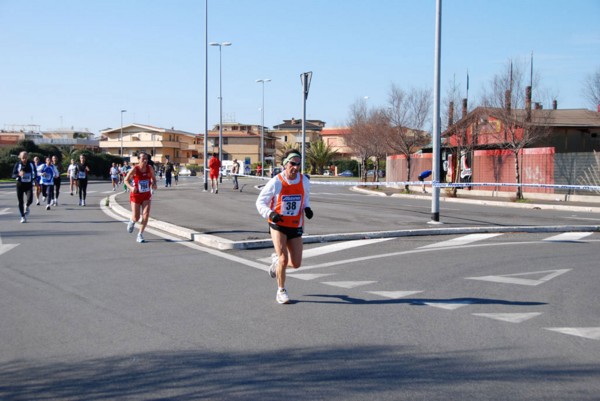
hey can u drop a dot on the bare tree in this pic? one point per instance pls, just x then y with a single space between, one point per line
408 113
591 88
377 127
508 103
358 139
368 132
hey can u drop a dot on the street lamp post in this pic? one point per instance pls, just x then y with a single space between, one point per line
122 111
262 128
305 78
220 103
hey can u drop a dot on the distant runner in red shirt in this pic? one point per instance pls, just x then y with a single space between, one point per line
214 168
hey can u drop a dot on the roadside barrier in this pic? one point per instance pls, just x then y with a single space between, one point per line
595 188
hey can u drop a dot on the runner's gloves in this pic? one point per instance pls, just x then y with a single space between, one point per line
308 212
275 217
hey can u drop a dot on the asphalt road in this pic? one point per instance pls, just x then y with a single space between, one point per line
89 314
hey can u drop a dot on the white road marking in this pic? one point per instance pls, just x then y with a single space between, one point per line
5 211
308 276
509 317
189 243
448 305
309 253
419 250
514 278
6 247
394 294
460 241
340 246
592 333
348 284
568 237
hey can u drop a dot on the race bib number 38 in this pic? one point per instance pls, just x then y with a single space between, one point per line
290 205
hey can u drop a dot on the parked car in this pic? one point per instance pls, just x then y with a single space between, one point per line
276 171
346 173
184 171
381 173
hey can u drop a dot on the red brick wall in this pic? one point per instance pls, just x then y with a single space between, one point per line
536 166
397 167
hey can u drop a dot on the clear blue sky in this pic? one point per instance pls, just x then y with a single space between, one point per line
79 62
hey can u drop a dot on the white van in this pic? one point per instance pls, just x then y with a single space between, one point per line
226 167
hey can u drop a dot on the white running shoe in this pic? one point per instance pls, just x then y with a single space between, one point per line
130 226
37 202
47 207
212 191
23 219
282 296
140 238
273 267
83 202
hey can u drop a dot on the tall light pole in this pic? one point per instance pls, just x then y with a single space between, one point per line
435 190
122 111
305 77
262 127
220 102
205 164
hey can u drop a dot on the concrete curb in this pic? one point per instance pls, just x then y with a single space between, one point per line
215 242
537 206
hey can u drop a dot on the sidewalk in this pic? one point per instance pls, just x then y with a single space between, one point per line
229 220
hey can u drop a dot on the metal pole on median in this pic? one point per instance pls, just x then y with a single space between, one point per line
305 77
220 102
262 127
435 190
205 166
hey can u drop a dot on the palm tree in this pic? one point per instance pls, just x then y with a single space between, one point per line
284 147
319 155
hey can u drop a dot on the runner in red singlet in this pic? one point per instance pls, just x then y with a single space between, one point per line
141 181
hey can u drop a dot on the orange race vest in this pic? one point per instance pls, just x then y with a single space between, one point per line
289 203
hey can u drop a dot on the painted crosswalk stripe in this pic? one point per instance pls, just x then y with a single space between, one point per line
308 276
448 305
592 333
546 275
348 284
464 240
341 246
568 237
509 317
394 294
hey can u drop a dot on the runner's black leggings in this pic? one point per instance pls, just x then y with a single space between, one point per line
56 187
82 184
48 190
24 189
